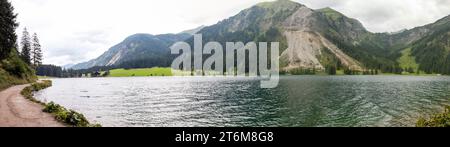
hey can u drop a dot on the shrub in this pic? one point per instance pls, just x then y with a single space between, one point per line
76 119
16 67
437 120
41 85
7 79
69 117
52 108
61 115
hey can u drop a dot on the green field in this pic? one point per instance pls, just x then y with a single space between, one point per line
146 72
45 77
142 72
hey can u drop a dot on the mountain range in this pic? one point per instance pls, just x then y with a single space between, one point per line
309 38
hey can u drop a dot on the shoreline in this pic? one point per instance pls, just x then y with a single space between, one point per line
17 111
61 114
317 75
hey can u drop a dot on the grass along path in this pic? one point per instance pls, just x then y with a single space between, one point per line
61 114
17 111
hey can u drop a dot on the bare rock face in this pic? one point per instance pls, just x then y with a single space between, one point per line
301 20
305 47
303 50
305 43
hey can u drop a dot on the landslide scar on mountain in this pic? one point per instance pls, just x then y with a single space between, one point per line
304 48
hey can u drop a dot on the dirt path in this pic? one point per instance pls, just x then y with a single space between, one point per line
16 111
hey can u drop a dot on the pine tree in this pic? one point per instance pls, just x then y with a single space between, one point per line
339 65
26 47
331 70
36 51
8 25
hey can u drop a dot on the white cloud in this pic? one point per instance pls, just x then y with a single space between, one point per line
72 31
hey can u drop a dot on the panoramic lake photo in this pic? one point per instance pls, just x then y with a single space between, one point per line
224 71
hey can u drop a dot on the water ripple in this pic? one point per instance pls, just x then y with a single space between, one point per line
298 101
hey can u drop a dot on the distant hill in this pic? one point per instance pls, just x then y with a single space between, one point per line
193 31
68 66
137 47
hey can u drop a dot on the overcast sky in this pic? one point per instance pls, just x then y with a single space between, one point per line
72 31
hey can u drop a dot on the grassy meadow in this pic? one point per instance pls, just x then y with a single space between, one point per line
141 72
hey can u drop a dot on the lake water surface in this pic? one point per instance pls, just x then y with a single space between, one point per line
299 101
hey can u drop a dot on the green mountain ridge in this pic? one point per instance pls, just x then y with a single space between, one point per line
137 47
320 39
